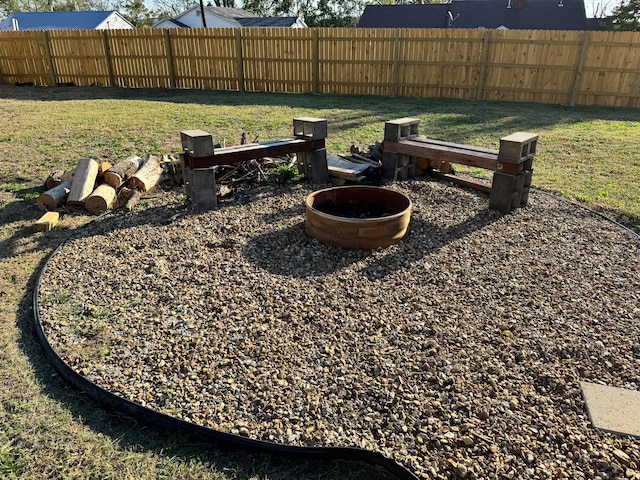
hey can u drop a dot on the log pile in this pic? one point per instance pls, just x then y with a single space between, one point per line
100 186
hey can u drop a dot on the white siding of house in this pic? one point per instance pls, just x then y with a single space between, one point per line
193 18
114 21
166 23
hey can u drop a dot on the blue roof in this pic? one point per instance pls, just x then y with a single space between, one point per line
59 20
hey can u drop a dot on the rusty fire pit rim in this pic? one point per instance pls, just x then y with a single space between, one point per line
398 214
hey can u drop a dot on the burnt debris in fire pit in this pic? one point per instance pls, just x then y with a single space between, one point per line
355 210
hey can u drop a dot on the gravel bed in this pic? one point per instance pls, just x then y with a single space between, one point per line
457 352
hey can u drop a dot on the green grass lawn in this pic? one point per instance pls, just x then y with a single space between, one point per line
589 155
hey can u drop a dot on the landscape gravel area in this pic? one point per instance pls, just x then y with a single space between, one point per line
457 352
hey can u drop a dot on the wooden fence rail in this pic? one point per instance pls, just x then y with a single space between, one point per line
562 67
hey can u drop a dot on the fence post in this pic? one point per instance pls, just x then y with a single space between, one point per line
52 66
483 64
580 66
172 68
107 56
316 61
238 34
2 79
396 61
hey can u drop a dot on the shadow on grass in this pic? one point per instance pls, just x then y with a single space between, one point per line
467 118
15 212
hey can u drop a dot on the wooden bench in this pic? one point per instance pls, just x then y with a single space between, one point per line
199 157
512 164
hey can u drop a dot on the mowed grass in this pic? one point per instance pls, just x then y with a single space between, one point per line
48 430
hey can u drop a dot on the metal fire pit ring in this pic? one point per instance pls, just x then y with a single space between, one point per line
358 217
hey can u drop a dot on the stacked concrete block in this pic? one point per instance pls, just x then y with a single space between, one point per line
313 164
197 143
401 129
200 183
511 191
310 128
396 166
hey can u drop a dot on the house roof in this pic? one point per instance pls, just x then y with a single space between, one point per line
234 17
267 21
60 20
173 23
512 14
228 12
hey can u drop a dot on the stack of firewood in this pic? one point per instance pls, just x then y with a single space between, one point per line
98 187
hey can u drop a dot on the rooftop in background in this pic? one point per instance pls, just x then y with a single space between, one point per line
226 17
88 20
503 14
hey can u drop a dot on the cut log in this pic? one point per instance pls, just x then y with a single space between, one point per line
122 171
53 198
173 169
147 177
54 179
124 194
83 181
133 200
46 222
102 169
101 200
68 176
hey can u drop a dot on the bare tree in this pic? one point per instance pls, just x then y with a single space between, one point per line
171 8
599 8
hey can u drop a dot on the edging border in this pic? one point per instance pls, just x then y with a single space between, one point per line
157 420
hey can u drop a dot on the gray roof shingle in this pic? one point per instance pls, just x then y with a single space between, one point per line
512 14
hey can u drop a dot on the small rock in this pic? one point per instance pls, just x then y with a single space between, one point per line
461 470
621 456
467 440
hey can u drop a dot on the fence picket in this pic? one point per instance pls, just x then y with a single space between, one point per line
578 68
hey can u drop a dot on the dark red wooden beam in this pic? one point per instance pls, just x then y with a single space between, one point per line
251 151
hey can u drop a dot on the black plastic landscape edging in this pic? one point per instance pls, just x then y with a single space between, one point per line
158 420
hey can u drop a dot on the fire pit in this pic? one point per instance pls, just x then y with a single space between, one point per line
358 216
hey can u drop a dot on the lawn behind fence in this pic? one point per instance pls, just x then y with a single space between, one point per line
589 155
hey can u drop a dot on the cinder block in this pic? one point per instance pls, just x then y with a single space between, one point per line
319 166
502 188
204 188
187 178
524 198
401 128
303 162
528 175
411 169
310 128
402 172
518 147
389 165
197 142
528 163
518 185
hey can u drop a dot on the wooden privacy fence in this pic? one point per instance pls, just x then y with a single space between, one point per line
542 66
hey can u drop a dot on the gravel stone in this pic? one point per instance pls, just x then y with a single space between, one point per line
457 352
